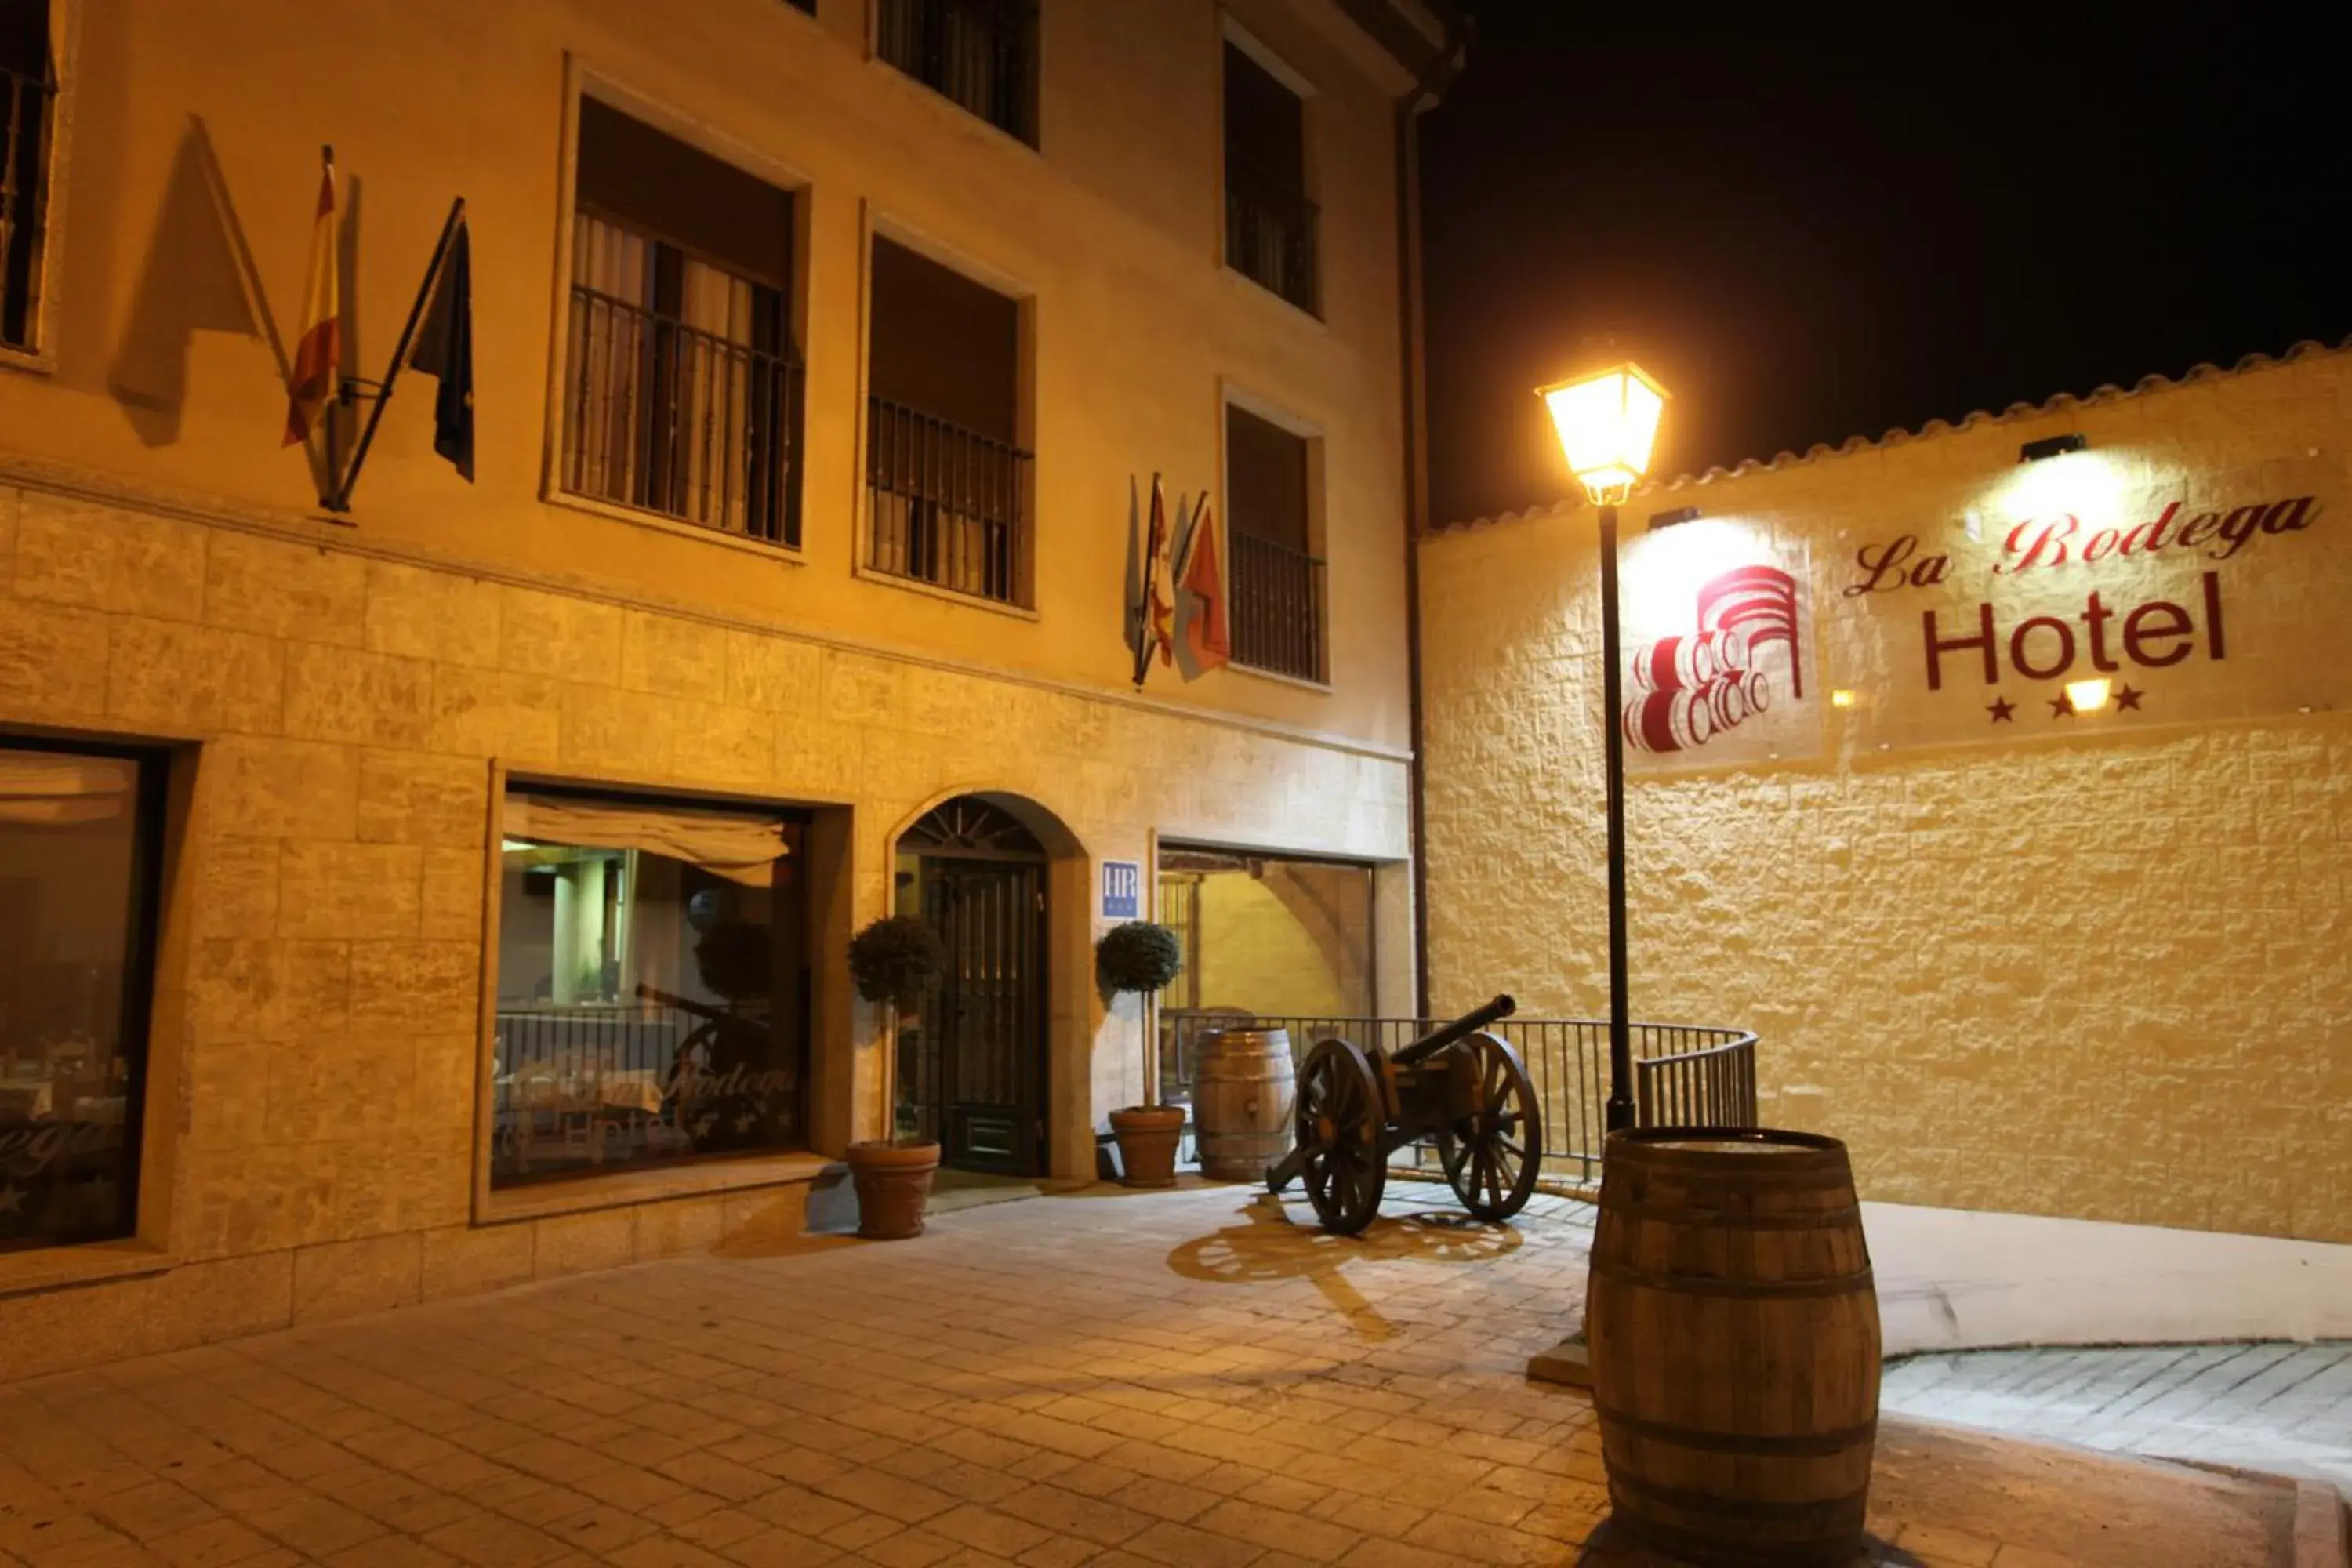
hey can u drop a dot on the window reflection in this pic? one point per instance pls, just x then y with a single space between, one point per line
75 853
652 992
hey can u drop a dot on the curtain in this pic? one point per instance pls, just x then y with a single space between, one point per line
606 410
742 847
38 789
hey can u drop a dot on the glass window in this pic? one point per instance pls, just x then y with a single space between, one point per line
29 88
652 985
684 383
77 859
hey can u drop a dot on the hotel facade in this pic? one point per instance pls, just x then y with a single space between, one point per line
455 889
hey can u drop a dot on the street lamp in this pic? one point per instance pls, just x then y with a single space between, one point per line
1608 422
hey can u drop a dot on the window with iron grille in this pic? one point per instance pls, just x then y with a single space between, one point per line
1275 577
28 86
980 53
683 383
1269 222
947 483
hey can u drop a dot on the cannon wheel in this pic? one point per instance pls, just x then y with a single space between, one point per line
1493 1155
1338 1122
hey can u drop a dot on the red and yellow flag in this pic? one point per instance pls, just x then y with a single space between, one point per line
1202 576
318 356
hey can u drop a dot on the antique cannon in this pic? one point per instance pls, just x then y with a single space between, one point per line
1460 1087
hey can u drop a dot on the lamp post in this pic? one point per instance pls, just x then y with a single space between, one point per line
1608 422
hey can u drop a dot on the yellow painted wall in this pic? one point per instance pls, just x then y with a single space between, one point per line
196 127
1296 943
2097 967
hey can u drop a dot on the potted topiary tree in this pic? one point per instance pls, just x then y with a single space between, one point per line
894 960
1143 958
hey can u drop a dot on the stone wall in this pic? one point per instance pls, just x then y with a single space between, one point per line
336 711
2095 964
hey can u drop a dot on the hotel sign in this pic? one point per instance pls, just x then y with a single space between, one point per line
2197 598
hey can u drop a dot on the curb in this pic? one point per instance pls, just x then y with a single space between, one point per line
2322 1525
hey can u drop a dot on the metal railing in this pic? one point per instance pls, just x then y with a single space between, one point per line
24 135
1714 1086
1681 1071
676 420
980 53
948 506
1278 607
1270 233
580 1087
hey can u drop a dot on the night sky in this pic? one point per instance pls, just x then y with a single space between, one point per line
1806 241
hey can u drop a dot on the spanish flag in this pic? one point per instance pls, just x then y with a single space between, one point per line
318 357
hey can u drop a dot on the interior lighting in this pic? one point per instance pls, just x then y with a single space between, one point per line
1841 697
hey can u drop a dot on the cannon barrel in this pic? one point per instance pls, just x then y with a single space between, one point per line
1469 1023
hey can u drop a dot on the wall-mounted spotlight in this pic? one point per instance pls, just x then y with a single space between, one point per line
2088 695
2050 447
1659 519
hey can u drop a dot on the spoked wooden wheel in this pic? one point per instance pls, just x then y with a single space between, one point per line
1493 1155
1339 1119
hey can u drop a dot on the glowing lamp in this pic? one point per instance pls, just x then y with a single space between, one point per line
1841 697
2088 695
1607 424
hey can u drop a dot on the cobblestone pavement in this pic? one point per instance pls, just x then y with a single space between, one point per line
2267 1406
1182 1379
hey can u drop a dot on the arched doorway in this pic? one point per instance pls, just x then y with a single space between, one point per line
972 1071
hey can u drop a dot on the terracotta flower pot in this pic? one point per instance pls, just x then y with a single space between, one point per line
1148 1136
892 1179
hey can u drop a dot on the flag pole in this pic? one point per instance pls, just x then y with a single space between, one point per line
1142 627
342 497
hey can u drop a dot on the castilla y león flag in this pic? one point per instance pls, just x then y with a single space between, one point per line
1202 576
318 356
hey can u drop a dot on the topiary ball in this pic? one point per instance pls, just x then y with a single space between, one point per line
896 960
1138 956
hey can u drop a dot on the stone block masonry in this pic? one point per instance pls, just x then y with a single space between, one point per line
2093 965
334 710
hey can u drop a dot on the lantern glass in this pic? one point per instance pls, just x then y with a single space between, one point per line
1608 422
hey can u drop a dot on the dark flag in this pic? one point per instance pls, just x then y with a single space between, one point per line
445 351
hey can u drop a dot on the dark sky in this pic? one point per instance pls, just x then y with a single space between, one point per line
1806 241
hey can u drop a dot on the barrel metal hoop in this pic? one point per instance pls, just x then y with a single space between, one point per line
1737 1289
1804 1445
1853 1503
1732 1219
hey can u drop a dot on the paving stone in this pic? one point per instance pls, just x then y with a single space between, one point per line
1175 1380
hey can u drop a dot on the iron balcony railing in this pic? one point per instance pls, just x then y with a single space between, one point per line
980 53
24 135
949 506
677 420
1684 1074
1270 233
1277 608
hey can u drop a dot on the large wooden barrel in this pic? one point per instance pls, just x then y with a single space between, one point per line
1733 1331
1244 1088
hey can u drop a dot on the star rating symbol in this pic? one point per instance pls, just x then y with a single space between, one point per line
2127 698
2061 707
2003 710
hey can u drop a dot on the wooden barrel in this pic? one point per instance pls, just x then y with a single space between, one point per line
1733 1332
1244 1088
